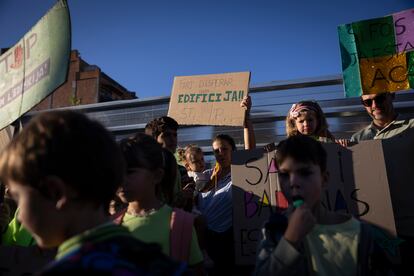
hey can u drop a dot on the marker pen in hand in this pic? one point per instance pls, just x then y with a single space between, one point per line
298 201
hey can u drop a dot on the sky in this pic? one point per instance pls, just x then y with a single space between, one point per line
144 44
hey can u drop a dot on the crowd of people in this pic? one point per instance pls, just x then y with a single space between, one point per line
143 207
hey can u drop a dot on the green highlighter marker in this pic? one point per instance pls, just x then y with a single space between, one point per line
297 201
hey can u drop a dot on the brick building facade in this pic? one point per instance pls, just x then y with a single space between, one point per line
86 84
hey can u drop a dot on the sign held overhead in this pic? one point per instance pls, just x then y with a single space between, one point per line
209 99
36 65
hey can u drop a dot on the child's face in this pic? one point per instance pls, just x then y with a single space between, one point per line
138 184
306 123
195 162
302 179
38 215
168 139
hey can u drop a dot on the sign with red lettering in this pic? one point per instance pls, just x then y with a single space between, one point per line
36 65
377 54
209 99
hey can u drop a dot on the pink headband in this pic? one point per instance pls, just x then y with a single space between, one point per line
295 110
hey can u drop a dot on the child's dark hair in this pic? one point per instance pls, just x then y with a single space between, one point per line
143 151
70 146
226 138
155 127
303 149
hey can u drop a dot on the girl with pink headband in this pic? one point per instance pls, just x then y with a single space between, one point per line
307 118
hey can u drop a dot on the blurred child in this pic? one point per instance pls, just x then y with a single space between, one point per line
194 163
314 241
164 131
64 169
193 159
147 216
165 190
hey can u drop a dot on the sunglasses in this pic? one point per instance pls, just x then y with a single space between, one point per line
379 100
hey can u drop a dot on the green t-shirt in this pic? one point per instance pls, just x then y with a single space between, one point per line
334 248
156 228
16 234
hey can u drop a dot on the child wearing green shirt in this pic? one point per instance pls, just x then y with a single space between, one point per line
63 169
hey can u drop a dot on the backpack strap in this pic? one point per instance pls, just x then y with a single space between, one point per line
181 232
119 217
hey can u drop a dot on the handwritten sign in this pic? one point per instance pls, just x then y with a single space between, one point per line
36 65
377 54
209 99
367 180
256 195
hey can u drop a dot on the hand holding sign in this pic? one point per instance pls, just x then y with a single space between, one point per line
246 104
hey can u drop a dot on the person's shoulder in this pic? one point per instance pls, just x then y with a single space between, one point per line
162 213
119 253
360 134
381 245
208 172
410 122
181 169
199 175
191 173
166 209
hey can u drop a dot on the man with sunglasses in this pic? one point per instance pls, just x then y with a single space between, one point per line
385 122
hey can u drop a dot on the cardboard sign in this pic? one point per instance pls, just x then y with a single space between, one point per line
209 99
358 183
371 180
399 152
377 54
36 65
255 190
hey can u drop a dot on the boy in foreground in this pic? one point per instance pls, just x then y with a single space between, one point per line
314 240
64 169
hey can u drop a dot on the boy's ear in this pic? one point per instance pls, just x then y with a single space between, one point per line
158 175
325 179
56 190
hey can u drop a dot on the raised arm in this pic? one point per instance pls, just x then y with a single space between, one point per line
249 137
